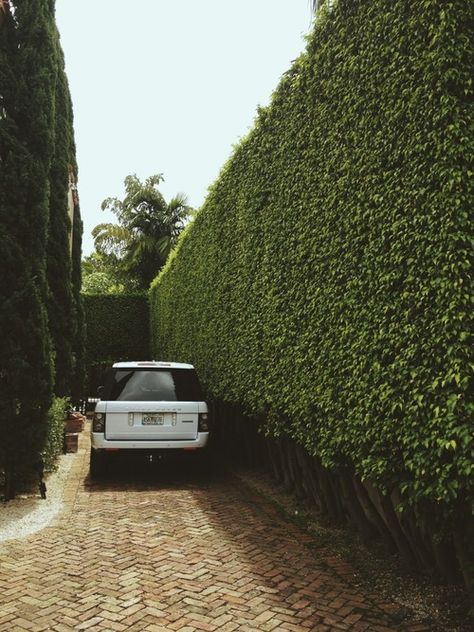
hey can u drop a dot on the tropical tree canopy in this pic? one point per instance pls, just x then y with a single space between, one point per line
102 274
147 229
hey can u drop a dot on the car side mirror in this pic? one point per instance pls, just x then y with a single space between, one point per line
100 391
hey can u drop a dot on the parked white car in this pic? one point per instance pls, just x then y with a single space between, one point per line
151 406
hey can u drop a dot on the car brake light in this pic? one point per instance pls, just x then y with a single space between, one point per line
203 422
98 422
154 363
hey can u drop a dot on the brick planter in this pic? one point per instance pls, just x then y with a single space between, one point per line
70 442
74 422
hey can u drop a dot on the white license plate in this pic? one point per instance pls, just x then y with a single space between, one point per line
153 419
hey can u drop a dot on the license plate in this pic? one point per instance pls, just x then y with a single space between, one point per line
153 420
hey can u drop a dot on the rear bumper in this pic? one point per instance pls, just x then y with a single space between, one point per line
99 442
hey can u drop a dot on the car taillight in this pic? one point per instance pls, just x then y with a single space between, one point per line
204 422
98 422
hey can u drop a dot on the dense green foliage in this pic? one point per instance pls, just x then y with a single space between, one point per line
54 443
60 300
33 121
79 331
101 274
137 247
326 282
27 50
117 327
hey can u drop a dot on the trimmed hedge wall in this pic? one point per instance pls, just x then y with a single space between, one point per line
117 329
41 335
326 284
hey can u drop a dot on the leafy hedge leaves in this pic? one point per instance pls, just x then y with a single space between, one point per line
117 327
326 281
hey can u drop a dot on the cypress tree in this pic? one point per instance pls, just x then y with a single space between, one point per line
60 299
27 79
79 341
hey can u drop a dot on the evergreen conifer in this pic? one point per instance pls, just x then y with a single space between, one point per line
38 273
60 300
79 340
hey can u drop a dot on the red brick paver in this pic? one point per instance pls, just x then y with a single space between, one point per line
176 557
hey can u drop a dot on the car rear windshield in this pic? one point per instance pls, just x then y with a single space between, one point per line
152 385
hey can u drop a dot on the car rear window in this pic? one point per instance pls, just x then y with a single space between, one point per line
148 385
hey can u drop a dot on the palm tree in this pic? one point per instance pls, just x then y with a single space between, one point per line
147 228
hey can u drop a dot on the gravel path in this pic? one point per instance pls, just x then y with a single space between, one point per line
28 514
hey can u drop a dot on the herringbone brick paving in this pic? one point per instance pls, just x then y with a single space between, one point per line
156 555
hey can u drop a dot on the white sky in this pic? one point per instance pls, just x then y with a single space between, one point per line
169 86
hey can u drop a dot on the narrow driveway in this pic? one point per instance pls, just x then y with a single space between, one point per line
154 551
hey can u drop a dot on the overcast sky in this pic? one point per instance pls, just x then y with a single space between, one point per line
169 86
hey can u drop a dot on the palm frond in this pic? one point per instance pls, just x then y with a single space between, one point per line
132 182
112 204
164 245
179 200
178 212
111 238
154 180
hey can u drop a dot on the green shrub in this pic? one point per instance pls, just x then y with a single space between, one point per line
53 446
118 328
326 282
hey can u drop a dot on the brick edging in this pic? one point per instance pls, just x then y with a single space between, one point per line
76 476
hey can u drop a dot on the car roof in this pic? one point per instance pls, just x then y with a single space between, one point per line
152 364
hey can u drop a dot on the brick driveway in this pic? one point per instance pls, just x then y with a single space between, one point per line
159 554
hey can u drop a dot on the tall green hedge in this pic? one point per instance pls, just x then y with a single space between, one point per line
37 314
117 327
79 340
27 61
60 300
327 280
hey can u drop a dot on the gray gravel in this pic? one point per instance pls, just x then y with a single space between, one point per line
28 514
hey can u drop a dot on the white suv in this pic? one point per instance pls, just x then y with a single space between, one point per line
148 406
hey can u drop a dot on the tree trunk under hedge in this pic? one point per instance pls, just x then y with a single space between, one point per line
372 515
343 497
